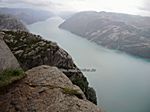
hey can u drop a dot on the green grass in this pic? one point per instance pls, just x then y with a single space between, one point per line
9 76
71 91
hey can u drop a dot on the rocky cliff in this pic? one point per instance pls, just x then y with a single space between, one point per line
123 32
8 22
44 89
31 51
62 88
7 59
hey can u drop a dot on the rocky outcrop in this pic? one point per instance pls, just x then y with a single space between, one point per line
31 51
28 16
45 89
7 59
8 22
123 32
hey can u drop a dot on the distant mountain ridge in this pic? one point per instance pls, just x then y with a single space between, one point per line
9 22
128 33
28 16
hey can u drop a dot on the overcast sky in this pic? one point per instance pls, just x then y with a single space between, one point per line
139 7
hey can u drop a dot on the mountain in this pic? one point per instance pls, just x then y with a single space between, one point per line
28 16
127 33
9 22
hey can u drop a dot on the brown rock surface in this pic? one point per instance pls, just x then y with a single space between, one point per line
45 89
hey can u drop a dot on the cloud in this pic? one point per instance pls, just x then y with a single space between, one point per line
145 6
39 4
31 2
139 7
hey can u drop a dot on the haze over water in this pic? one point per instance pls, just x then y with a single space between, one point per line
121 81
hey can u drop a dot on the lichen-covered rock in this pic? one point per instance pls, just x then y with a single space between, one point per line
7 59
45 89
31 51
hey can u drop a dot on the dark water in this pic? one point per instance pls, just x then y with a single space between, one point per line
122 82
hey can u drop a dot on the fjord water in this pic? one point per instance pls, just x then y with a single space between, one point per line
122 82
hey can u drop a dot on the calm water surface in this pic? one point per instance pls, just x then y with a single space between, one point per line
122 82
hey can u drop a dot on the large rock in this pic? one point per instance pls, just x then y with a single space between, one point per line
45 89
7 59
31 51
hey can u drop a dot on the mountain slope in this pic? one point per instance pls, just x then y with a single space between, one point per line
123 32
28 16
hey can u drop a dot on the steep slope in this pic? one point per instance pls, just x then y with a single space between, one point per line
124 32
28 16
8 22
45 89
7 59
31 51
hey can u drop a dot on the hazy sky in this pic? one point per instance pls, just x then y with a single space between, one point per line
140 7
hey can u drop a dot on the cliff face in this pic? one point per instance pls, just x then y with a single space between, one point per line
7 59
8 22
117 31
31 51
45 89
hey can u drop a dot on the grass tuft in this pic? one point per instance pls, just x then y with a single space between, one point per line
71 91
9 76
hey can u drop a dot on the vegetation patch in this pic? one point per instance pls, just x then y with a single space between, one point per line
81 82
9 76
71 91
